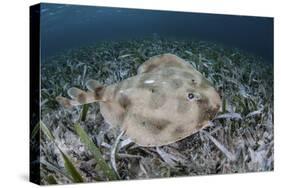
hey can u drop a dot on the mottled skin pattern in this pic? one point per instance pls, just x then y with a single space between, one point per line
166 101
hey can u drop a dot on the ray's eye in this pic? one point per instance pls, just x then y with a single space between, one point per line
190 96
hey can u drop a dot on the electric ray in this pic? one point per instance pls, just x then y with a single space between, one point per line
166 101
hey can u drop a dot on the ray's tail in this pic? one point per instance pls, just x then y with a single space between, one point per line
80 97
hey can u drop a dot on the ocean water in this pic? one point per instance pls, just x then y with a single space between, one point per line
66 27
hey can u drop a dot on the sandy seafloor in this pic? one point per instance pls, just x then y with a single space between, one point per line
238 140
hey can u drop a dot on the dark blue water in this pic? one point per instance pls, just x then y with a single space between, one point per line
71 26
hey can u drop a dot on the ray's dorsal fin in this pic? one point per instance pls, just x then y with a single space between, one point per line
97 89
92 85
86 97
74 92
80 97
161 61
67 103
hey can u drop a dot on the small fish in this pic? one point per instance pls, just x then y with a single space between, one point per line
166 101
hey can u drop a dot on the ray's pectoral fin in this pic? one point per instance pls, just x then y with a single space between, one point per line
160 61
80 97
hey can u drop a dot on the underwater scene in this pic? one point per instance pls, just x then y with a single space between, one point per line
131 94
